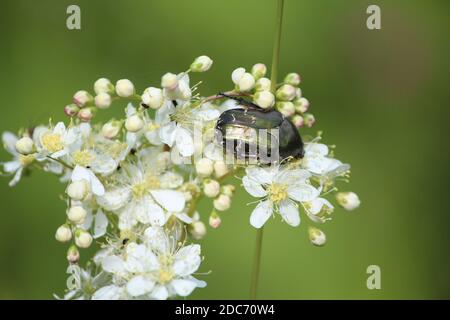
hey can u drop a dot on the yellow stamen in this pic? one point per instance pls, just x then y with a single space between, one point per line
52 142
277 192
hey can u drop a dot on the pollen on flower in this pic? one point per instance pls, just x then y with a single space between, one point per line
139 190
152 182
165 276
277 192
82 158
52 142
26 160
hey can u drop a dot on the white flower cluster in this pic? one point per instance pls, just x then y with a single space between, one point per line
133 183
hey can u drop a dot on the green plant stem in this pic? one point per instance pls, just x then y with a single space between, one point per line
273 87
256 263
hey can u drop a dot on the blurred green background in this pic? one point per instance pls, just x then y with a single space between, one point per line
381 96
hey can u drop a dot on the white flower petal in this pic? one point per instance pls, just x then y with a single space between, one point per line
114 199
113 264
184 217
167 133
183 287
9 141
160 293
261 214
11 166
253 187
170 200
139 286
156 215
156 238
261 175
303 192
110 292
289 213
187 260
185 142
100 225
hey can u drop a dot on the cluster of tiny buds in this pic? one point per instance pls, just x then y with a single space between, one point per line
287 98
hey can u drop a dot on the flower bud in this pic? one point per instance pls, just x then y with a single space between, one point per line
222 202
211 188
263 84
103 85
264 99
86 114
214 220
78 190
246 83
259 70
169 81
220 168
83 239
286 108
317 237
134 123
71 110
228 190
111 129
237 74
103 100
301 105
197 230
201 64
348 200
76 214
286 92
292 79
82 98
124 88
298 121
25 145
204 167
153 97
73 255
298 93
63 233
309 120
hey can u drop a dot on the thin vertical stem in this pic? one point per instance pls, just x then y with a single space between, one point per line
256 263
273 79
276 47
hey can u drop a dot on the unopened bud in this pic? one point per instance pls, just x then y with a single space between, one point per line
348 200
25 145
134 123
301 105
293 79
259 70
263 84
317 237
309 120
286 108
111 129
197 230
298 121
169 81
73 255
86 114
153 97
228 190
78 190
124 88
82 98
71 110
201 64
63 233
211 188
214 220
204 167
76 214
246 83
222 202
83 239
237 74
103 100
220 168
264 99
103 85
286 92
